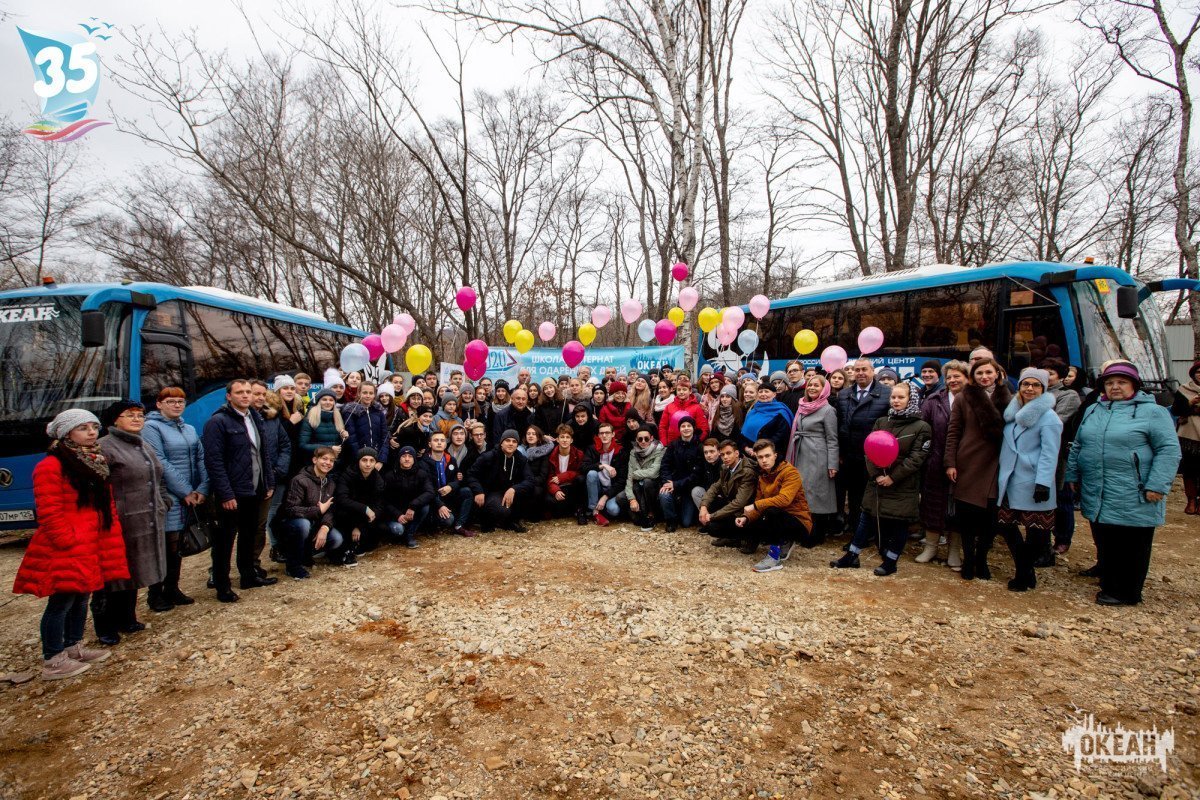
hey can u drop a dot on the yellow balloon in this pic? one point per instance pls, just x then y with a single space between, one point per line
418 358
676 316
511 329
708 318
587 333
805 342
524 341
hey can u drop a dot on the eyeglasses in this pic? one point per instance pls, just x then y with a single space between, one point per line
133 415
173 401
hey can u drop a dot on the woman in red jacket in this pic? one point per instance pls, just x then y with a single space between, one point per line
78 545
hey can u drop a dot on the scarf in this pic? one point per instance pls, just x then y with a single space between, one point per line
760 414
538 450
912 410
725 420
498 407
87 470
642 453
1189 427
457 453
806 406
661 403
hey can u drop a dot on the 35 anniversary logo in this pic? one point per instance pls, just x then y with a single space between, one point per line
66 72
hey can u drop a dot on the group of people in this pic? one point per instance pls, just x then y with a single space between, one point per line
776 462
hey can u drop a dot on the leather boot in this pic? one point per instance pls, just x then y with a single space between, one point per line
954 555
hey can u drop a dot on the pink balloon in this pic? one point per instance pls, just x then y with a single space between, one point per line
601 315
476 352
688 298
870 340
833 357
882 448
679 271
475 370
759 306
630 311
725 334
572 354
393 338
406 322
546 331
374 345
664 331
465 297
733 317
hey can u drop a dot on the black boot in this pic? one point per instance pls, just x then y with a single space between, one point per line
1040 549
102 620
888 567
968 556
157 600
170 584
848 561
982 547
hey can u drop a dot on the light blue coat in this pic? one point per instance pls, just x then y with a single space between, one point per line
1123 449
1029 453
178 447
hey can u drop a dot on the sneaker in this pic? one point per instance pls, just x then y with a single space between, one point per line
277 556
646 526
768 564
601 520
848 561
87 655
581 519
411 542
350 560
785 550
62 666
672 527
298 574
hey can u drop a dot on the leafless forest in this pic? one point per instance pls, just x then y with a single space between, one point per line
767 144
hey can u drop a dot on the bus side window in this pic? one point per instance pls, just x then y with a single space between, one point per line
950 321
162 366
1031 336
885 312
222 347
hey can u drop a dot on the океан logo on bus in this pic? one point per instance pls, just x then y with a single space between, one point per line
66 73
1093 741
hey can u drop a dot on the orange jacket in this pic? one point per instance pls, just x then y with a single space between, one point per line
783 490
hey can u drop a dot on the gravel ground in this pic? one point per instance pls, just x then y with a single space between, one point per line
584 662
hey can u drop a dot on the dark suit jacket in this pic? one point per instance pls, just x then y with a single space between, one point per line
856 418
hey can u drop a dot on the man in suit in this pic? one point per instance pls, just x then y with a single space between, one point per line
859 405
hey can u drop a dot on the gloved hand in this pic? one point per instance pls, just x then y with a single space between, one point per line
1041 493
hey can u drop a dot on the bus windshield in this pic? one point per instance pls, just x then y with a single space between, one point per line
44 369
1107 336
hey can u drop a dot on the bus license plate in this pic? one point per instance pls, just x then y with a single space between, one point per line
23 515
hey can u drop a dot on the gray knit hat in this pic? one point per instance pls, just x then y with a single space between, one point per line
730 390
510 433
368 451
68 421
778 375
1037 374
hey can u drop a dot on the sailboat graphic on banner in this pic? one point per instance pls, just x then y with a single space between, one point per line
66 73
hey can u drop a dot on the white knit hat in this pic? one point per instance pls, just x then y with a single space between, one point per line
387 388
68 421
282 381
333 378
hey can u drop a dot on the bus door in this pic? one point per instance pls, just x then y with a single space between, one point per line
1031 330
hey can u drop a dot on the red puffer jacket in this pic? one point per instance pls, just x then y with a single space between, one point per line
70 551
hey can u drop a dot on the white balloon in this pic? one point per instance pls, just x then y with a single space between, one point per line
645 330
747 341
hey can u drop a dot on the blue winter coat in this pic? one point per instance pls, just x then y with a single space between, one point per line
178 447
367 427
1029 453
1121 450
227 455
278 445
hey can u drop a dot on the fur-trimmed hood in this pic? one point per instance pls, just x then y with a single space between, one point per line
1026 416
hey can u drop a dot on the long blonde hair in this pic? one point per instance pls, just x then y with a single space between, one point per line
642 402
314 417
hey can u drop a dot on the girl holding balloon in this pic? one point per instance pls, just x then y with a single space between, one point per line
896 449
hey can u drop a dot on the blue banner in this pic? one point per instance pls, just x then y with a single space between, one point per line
547 362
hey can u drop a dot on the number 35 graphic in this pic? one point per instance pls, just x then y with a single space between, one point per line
51 58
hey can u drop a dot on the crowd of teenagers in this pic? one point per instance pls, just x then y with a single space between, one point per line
777 463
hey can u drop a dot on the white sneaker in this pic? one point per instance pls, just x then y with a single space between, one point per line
768 564
785 550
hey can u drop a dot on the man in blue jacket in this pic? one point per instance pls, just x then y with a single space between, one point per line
859 405
240 476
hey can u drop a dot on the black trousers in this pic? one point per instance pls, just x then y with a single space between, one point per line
645 491
113 611
240 524
493 514
776 527
576 497
854 477
1125 561
977 527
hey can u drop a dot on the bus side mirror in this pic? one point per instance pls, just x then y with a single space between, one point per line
1127 302
92 328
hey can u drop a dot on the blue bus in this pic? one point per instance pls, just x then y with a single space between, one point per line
86 345
1023 312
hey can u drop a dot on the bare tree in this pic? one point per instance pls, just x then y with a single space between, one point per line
1153 38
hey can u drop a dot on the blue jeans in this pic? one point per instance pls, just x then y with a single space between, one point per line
611 508
893 532
1064 516
459 502
272 510
62 622
299 531
678 508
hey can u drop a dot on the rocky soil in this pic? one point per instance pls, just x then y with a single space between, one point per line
583 662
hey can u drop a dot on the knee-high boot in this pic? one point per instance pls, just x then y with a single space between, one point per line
1039 547
968 555
174 567
983 546
103 619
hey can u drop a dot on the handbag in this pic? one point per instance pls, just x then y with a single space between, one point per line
198 534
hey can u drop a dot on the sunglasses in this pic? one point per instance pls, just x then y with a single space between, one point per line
643 438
